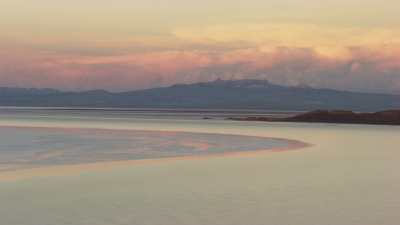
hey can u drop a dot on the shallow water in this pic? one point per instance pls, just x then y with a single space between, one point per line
30 147
349 176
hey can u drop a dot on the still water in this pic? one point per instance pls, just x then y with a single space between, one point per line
348 175
27 147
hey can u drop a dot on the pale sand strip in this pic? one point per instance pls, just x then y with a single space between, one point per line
62 170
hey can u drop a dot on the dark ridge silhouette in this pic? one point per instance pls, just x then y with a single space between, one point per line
219 94
389 117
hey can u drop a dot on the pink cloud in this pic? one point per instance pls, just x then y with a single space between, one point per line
362 70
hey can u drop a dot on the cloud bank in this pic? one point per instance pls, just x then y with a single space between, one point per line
356 59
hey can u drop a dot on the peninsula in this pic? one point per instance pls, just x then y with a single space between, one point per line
389 117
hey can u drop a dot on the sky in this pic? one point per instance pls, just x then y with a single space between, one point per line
129 44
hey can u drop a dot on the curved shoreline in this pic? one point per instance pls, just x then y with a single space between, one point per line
73 169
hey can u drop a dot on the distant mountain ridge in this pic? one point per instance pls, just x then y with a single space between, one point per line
219 94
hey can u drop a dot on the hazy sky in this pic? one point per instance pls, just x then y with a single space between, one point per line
131 44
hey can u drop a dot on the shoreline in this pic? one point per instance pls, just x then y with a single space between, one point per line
388 117
74 169
72 128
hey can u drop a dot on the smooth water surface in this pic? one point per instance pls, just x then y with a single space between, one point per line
348 176
27 147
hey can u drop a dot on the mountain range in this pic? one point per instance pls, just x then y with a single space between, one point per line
219 94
